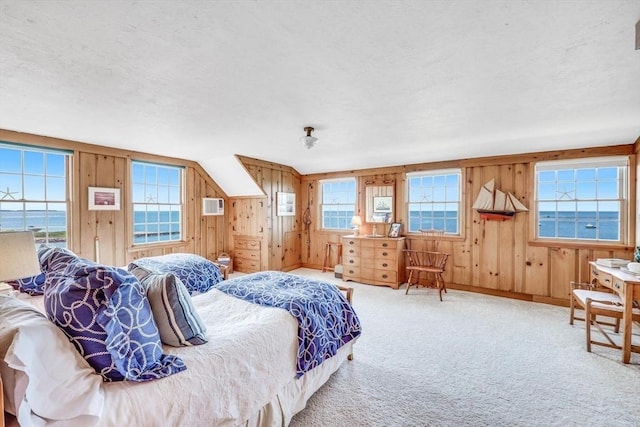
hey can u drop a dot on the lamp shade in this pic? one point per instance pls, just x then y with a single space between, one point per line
308 141
356 220
18 257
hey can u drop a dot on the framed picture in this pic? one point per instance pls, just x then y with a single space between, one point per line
285 203
382 204
104 199
394 230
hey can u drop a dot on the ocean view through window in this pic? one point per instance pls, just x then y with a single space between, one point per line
434 200
583 199
157 202
338 203
33 192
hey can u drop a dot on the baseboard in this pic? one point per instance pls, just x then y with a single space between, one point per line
510 294
312 266
292 267
494 292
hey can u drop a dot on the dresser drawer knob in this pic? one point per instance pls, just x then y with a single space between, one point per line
384 245
350 271
385 253
384 276
350 261
351 251
385 265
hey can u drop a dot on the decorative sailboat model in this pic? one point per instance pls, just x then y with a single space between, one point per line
496 205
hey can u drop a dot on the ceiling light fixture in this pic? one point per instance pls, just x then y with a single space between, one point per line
308 141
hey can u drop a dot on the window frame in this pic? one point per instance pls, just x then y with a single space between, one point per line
66 199
460 171
626 188
133 203
321 204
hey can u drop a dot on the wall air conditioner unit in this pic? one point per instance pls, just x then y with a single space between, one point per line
211 206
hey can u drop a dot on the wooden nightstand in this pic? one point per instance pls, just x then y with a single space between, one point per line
224 269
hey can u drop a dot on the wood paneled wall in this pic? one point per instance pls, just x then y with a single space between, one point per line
500 258
109 233
257 216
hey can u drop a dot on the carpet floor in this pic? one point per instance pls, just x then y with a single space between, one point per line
471 360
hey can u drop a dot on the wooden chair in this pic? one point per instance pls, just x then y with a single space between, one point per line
429 262
327 255
596 301
432 239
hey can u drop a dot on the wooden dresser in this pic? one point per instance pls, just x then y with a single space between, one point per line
247 254
373 260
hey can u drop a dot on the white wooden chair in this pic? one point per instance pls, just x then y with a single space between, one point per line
596 301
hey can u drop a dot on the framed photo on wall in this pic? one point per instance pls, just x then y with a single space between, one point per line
285 203
104 199
394 229
382 204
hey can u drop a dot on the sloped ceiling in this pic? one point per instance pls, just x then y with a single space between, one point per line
383 82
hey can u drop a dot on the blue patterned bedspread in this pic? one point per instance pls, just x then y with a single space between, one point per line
326 320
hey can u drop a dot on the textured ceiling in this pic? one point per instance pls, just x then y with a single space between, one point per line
383 82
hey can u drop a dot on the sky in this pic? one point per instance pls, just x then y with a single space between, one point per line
563 190
44 179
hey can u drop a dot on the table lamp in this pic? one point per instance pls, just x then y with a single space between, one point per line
356 222
18 257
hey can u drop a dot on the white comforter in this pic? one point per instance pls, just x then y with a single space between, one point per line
249 362
250 356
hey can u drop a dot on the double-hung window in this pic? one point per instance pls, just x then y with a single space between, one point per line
582 199
338 203
157 202
434 200
33 192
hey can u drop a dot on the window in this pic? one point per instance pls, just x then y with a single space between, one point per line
157 202
434 200
582 199
33 192
338 203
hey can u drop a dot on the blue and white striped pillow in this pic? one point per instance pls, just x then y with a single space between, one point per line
175 316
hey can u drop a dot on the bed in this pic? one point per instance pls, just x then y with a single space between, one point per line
248 373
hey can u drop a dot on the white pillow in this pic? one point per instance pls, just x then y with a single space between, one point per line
49 381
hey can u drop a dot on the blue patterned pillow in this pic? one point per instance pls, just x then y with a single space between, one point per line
106 315
51 257
30 285
173 311
35 285
198 274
